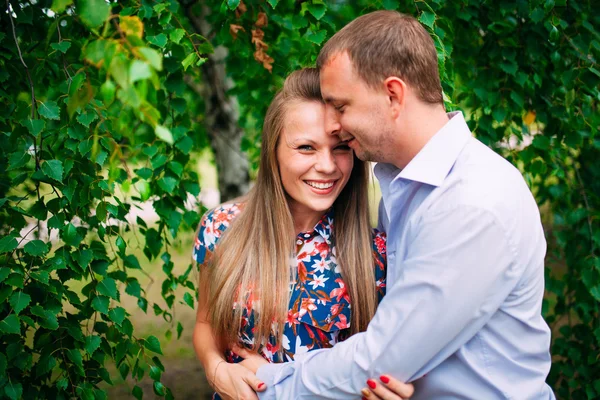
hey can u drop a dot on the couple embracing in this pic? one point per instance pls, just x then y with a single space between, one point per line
300 299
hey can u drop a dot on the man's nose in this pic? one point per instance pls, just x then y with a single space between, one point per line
332 124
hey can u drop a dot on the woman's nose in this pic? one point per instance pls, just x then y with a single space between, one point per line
326 163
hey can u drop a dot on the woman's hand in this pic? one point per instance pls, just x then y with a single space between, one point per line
387 388
252 361
235 382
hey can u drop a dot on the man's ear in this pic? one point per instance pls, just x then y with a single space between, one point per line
396 91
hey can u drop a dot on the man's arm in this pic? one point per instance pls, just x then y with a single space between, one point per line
459 269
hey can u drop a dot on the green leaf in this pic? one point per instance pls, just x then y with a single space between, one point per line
124 370
8 243
40 276
391 4
159 40
4 364
19 300
86 118
70 235
137 392
100 304
108 89
595 291
189 300
427 18
163 134
13 390
541 142
189 60
75 356
167 184
44 365
49 109
233 4
92 343
93 13
153 344
36 248
108 287
318 10
47 319
119 70
159 388
537 15
273 3
518 99
35 126
131 261
176 35
153 57
155 373
53 169
12 324
139 70
159 364
62 46
17 160
316 37
185 145
133 287
179 330
4 272
144 173
59 6
117 315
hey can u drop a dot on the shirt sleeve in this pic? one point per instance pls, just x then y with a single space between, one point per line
459 267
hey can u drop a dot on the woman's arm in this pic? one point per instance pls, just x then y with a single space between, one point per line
231 381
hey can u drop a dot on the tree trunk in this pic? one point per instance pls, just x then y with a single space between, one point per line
221 116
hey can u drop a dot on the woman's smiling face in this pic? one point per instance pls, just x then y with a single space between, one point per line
314 165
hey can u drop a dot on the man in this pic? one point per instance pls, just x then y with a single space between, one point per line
462 314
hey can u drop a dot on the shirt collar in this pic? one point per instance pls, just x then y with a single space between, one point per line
432 164
324 228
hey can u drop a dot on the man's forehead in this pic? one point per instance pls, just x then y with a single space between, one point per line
339 59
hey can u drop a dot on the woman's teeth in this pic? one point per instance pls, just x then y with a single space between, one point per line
319 185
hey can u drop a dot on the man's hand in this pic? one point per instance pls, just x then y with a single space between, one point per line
387 388
252 361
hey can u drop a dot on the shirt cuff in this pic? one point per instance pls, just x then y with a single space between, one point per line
271 375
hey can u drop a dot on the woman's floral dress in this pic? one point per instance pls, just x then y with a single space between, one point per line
319 308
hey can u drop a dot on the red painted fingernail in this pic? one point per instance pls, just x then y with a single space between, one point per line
384 379
372 384
261 385
364 398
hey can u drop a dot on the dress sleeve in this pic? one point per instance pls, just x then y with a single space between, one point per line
205 240
211 228
380 257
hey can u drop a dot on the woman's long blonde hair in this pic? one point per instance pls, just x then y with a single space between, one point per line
257 252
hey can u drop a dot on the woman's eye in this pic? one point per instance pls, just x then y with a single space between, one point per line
339 108
305 147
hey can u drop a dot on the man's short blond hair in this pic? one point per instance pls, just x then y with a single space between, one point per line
387 43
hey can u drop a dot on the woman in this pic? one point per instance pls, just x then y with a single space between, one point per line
285 267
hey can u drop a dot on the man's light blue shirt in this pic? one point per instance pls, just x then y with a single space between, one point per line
462 315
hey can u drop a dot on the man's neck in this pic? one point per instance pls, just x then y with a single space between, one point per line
420 125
